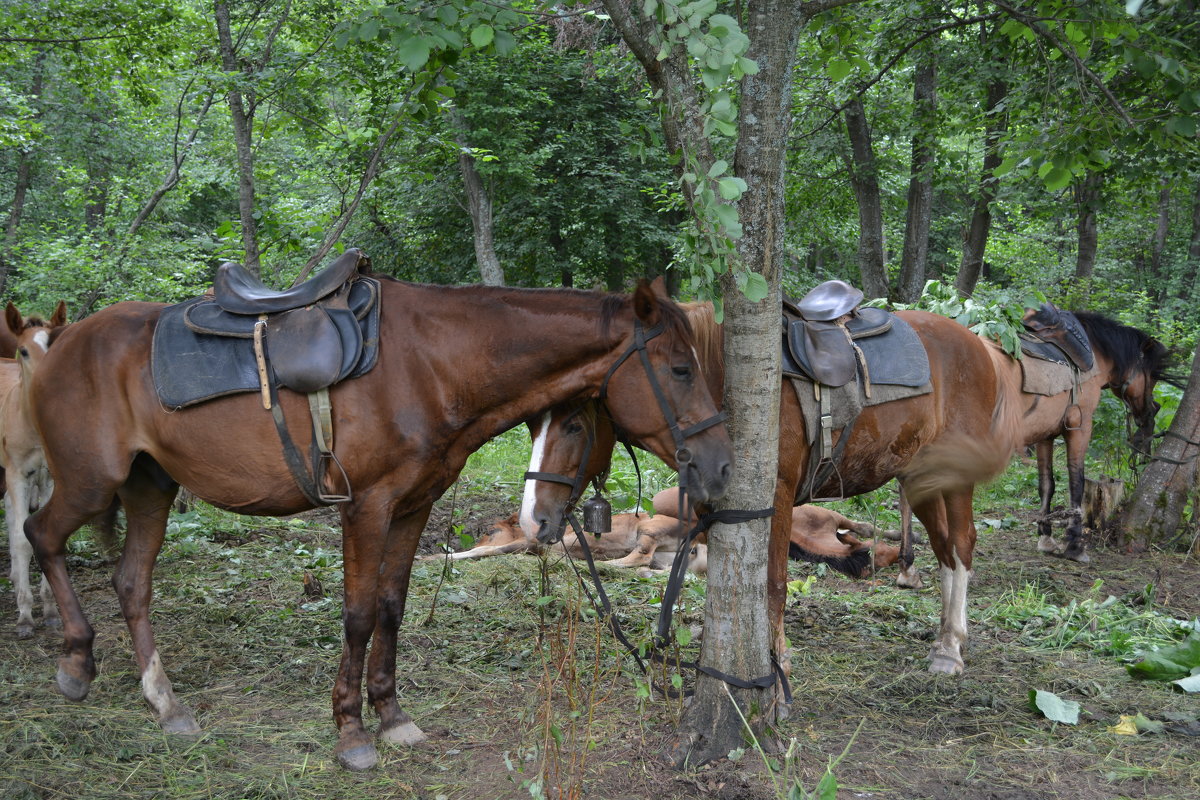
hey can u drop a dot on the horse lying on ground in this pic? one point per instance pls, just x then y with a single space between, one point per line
455 367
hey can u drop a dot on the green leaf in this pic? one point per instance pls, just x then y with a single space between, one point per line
727 215
838 70
1053 707
1183 126
369 30
731 188
827 788
413 52
1190 684
505 43
482 35
1057 178
718 168
1169 663
756 287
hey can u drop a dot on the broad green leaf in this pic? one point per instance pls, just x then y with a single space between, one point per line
748 66
731 188
1057 178
504 43
756 287
838 70
1190 684
369 30
1053 707
413 52
1183 126
826 788
718 168
1169 663
482 35
727 215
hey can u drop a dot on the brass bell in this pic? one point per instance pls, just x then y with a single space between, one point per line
597 515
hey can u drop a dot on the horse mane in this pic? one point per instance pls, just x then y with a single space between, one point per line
857 564
1129 348
707 334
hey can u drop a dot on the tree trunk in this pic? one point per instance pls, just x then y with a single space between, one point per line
21 184
241 112
1188 281
1156 509
1161 227
920 185
737 635
1087 197
479 202
865 181
976 238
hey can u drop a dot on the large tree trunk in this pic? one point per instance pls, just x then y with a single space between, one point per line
920 184
976 238
21 183
1162 226
1156 509
241 112
737 636
1087 200
865 181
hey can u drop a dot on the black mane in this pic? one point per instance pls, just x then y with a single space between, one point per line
1130 350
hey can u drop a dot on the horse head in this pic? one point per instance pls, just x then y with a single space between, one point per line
654 395
33 334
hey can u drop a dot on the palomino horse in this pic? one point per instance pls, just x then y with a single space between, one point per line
939 444
27 483
457 366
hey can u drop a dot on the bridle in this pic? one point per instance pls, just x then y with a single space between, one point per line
683 456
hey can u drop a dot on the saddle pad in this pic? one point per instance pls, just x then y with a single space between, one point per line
189 366
1049 377
895 357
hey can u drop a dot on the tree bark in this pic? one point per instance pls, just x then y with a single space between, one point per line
1162 226
1188 280
479 204
1156 509
737 635
976 238
241 112
864 180
1087 198
920 185
21 183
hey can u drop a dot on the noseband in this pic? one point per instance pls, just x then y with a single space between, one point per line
683 456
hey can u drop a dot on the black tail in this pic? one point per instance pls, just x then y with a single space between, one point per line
856 565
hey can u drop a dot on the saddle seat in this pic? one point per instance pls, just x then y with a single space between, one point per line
1062 332
821 328
239 292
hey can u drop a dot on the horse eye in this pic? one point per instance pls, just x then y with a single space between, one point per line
682 371
574 427
23 352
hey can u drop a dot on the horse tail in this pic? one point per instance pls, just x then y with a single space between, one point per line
104 525
959 461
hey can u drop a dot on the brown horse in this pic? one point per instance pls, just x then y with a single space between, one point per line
938 444
26 481
457 366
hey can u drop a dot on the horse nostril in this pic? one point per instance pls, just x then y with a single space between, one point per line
726 471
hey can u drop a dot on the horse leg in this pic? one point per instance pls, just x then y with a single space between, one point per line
395 725
777 575
20 551
909 577
147 496
48 531
1077 438
44 486
951 527
364 528
1045 466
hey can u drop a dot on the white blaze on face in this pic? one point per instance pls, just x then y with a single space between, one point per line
528 526
42 339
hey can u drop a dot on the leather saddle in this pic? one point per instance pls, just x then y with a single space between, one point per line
828 337
312 335
1057 336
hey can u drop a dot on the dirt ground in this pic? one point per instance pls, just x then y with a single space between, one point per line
480 669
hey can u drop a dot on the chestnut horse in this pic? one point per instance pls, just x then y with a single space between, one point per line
457 366
26 481
938 444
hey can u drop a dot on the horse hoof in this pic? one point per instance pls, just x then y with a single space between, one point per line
945 665
180 723
1046 544
71 687
1078 555
53 623
24 630
406 733
359 759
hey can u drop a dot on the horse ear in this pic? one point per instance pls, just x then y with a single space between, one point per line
659 285
12 318
59 317
645 304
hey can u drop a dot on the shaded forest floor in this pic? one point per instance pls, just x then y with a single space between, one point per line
482 671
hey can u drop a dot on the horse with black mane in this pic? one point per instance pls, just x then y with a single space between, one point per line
455 367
